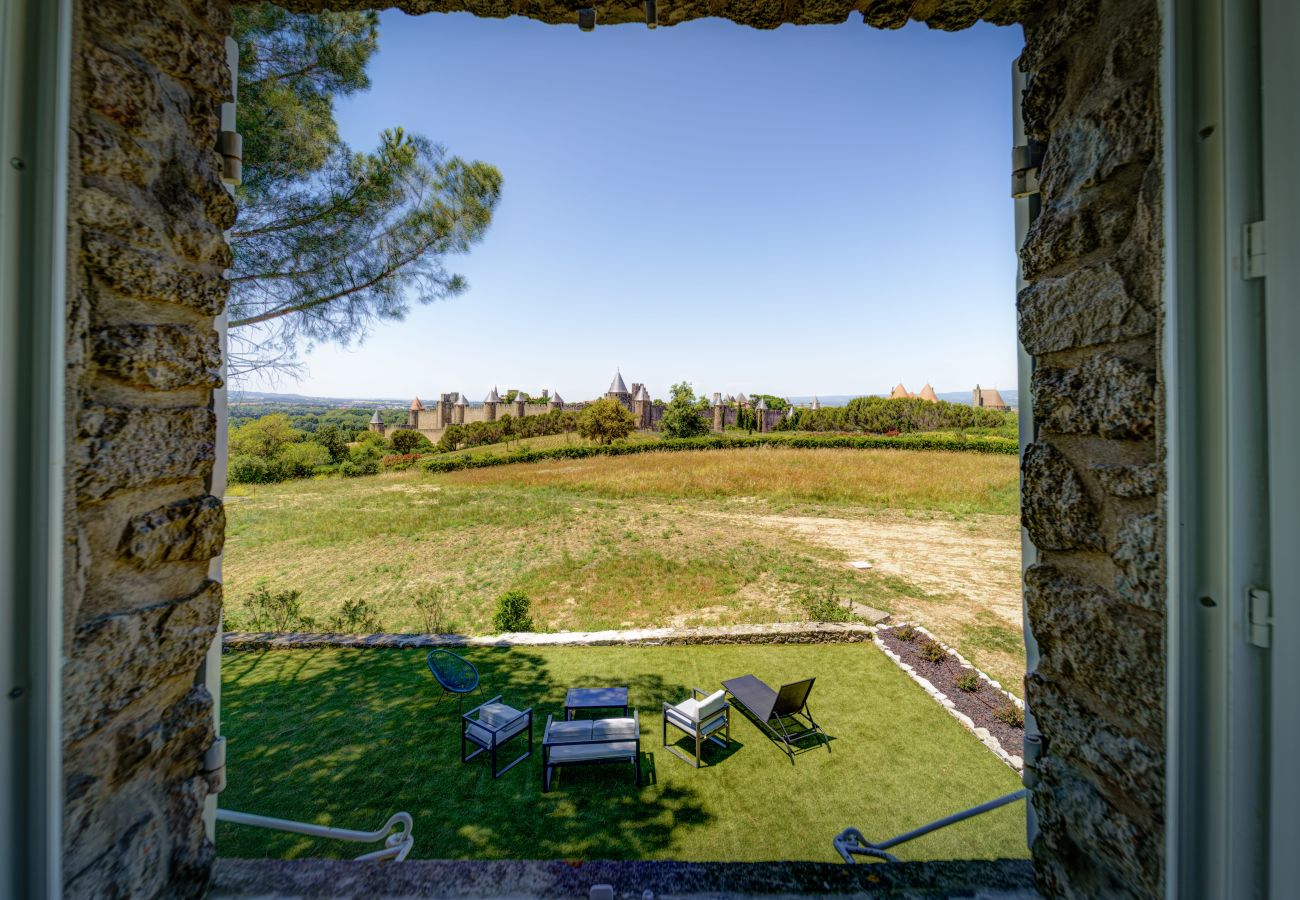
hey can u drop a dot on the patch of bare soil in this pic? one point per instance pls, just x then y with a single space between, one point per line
976 557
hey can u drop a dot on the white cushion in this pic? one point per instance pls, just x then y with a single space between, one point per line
613 729
562 753
494 715
695 710
689 726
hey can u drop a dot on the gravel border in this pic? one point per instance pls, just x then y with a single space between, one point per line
983 734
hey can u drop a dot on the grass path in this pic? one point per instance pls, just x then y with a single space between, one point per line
348 737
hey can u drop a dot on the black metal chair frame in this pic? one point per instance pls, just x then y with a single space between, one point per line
548 767
771 710
698 733
461 690
494 744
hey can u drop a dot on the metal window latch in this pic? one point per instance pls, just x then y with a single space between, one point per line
1253 250
214 765
231 147
1259 617
1025 162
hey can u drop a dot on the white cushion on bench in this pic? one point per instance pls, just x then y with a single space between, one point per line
493 715
564 753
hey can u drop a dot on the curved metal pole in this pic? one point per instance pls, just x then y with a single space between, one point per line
851 842
397 841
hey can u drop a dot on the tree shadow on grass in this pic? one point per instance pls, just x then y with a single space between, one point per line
346 738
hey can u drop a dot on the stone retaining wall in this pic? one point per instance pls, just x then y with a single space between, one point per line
797 633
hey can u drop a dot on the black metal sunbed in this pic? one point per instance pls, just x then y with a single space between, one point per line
784 714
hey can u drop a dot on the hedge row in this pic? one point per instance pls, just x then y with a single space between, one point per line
956 443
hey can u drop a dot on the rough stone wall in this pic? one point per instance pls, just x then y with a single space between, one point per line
1092 481
147 210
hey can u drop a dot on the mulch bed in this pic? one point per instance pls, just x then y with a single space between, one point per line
979 704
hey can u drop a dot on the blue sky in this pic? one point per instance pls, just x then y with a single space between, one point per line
805 210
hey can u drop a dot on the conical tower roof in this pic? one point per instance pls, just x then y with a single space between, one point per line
460 400
416 404
741 398
556 398
762 404
816 404
642 394
617 386
899 392
375 420
493 396
927 393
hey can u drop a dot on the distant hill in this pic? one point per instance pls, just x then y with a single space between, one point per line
304 400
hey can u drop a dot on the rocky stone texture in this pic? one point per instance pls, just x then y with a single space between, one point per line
949 15
147 210
310 879
1092 483
783 633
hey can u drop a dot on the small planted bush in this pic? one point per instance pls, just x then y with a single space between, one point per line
932 651
1010 714
906 633
356 617
827 608
513 612
969 682
431 604
281 611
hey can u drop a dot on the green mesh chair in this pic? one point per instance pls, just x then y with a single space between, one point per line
454 674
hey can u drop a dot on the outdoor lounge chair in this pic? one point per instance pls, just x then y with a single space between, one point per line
778 711
489 726
701 719
454 674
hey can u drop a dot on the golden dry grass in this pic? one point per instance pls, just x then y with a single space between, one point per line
954 482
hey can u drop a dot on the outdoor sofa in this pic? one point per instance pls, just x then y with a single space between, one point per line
590 741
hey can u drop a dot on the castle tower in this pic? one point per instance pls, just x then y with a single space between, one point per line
742 400
458 410
927 393
899 392
555 402
641 407
816 404
377 424
760 411
520 406
618 390
490 403
976 398
718 411
413 414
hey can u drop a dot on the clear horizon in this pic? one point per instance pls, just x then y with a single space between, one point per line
804 211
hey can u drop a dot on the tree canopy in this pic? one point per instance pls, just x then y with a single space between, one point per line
331 240
684 415
605 421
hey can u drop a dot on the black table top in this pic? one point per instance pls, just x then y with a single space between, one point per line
591 698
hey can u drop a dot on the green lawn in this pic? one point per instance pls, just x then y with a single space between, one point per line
347 737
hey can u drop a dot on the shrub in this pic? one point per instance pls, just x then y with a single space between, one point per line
331 437
512 613
246 469
1010 714
356 617
431 603
827 608
605 421
406 440
932 651
969 682
906 633
301 460
369 437
280 611
400 463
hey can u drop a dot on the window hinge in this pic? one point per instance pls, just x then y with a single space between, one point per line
1025 161
1260 617
231 147
214 766
1253 250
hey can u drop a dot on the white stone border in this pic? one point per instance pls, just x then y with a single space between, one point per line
983 734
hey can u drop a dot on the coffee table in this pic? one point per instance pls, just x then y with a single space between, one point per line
595 698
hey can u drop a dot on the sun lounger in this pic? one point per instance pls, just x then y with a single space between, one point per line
784 714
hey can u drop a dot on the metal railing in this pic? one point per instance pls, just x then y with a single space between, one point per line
395 833
850 842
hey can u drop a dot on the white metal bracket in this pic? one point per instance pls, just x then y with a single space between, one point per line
1254 250
1259 614
214 766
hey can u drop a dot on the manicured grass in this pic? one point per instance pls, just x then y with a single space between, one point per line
886 479
347 737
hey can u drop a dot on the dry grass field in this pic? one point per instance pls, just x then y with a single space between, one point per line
714 537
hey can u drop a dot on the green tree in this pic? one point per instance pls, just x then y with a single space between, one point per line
406 440
331 240
605 421
263 437
684 415
331 437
